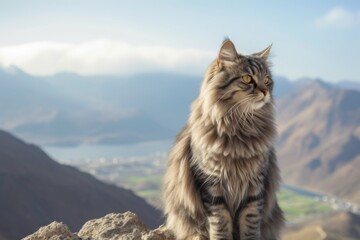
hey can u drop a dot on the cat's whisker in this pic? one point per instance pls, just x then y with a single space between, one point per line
231 110
222 97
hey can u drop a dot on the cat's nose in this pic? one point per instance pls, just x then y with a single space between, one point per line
264 91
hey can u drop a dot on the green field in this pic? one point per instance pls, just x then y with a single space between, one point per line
295 206
147 186
157 179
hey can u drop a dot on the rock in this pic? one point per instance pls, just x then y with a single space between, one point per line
114 226
53 231
161 233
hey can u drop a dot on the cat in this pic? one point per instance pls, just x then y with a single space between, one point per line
222 173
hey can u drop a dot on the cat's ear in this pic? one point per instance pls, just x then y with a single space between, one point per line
227 53
264 54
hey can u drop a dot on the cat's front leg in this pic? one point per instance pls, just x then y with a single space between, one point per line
249 221
218 215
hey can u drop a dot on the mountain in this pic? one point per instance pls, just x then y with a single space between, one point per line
68 109
339 226
35 190
319 139
164 97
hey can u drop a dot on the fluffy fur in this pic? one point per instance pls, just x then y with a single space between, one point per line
222 172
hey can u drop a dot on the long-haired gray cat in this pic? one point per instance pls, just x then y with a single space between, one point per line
222 172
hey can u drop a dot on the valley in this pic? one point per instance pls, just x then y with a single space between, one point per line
144 174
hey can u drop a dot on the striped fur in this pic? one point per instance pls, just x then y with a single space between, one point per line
222 172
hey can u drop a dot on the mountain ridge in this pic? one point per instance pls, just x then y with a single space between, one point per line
39 190
319 135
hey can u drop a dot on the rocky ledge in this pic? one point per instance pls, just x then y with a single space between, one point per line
114 226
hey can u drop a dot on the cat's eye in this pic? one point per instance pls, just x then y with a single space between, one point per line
267 80
246 78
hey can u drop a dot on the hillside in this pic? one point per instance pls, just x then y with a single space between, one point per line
339 226
319 139
36 190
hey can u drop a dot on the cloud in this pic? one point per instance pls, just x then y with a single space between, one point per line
339 17
103 56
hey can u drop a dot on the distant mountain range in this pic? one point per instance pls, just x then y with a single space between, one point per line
319 139
68 109
35 190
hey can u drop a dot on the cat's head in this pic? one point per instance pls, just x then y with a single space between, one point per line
237 83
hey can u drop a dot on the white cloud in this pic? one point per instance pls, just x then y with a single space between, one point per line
339 17
103 57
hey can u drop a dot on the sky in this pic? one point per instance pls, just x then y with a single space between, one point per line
317 39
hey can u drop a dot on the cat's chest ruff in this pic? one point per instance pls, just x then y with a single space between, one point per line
239 177
241 170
